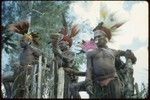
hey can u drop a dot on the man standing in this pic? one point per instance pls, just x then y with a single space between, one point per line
101 72
28 58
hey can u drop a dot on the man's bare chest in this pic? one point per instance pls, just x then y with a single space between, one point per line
104 54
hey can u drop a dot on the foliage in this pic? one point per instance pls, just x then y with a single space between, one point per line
143 93
7 18
45 18
79 60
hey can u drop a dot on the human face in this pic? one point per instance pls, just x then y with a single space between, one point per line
101 39
24 42
63 45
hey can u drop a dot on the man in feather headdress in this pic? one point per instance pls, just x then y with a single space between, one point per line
61 43
28 56
29 53
101 71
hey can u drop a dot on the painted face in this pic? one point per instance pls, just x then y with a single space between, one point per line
25 41
64 45
100 38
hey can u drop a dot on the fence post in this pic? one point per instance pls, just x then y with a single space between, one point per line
61 80
39 77
33 81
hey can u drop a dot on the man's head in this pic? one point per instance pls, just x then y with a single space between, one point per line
25 41
100 38
63 45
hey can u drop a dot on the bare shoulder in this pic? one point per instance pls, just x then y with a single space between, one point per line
69 53
91 53
113 50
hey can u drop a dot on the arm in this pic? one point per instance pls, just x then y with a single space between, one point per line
89 83
68 57
128 54
36 51
74 71
119 53
57 52
89 67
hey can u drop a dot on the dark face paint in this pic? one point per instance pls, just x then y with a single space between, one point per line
63 46
100 40
24 43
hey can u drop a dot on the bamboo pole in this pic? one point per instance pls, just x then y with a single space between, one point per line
52 94
34 85
55 77
61 80
44 86
39 77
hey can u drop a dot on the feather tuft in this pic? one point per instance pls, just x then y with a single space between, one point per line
20 27
74 31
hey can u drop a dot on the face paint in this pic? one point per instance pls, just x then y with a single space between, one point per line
63 45
100 38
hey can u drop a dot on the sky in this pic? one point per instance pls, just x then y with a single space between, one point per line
132 35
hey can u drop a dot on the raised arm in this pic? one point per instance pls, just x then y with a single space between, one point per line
89 67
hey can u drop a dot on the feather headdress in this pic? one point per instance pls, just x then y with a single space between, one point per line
23 28
67 36
109 24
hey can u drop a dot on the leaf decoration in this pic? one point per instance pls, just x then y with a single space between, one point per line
74 31
20 27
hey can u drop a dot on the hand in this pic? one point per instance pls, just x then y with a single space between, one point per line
127 53
130 55
89 86
89 90
57 51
